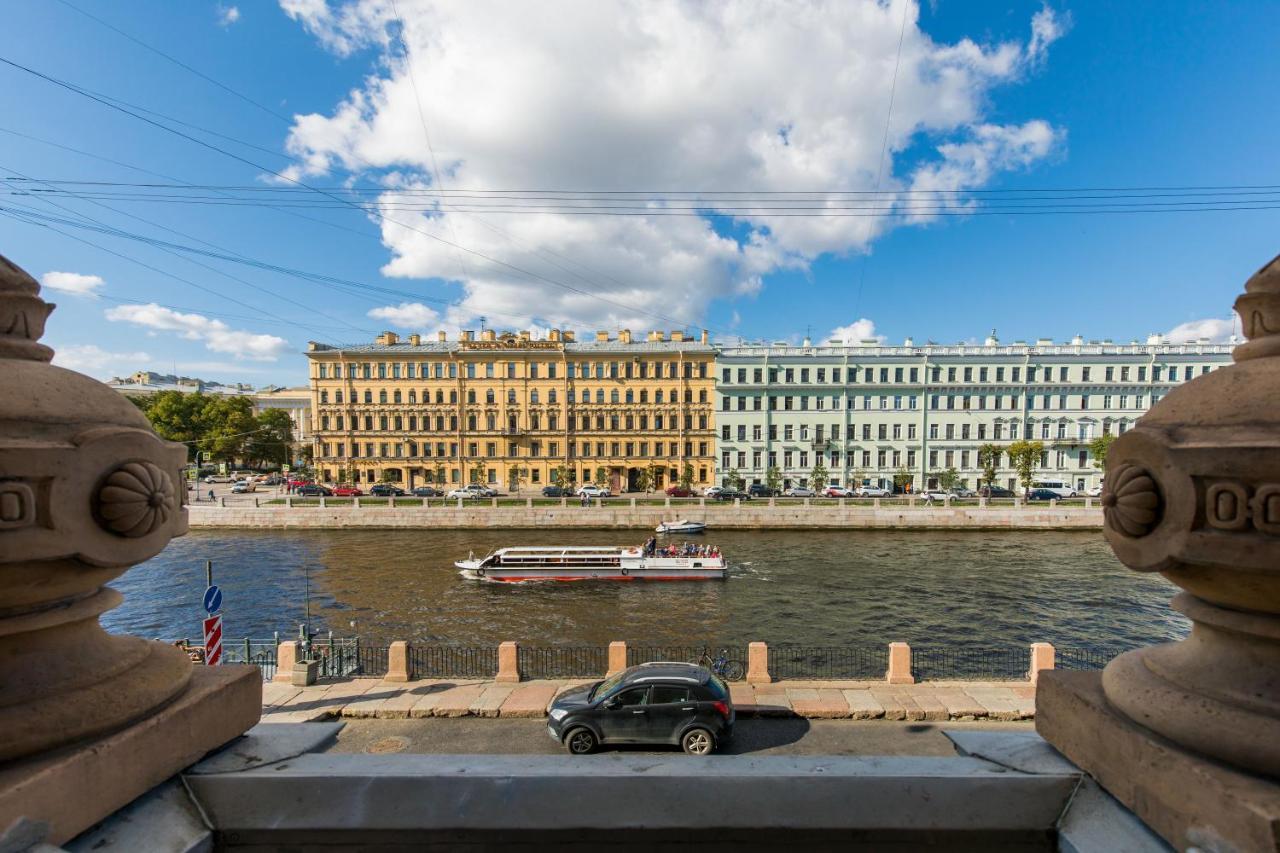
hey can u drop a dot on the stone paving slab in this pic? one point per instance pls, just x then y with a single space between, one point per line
443 697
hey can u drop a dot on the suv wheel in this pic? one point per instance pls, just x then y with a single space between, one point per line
698 742
581 741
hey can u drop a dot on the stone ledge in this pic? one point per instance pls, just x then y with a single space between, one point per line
1192 802
74 788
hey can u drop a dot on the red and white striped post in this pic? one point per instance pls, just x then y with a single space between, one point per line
213 640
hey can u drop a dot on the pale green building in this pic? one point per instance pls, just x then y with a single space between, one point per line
872 411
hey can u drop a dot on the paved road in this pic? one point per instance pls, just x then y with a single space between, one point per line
467 735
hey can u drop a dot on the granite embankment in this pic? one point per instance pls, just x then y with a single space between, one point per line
621 513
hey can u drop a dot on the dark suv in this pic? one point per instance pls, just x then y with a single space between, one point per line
760 490
658 703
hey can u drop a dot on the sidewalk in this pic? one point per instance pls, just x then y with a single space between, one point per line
456 697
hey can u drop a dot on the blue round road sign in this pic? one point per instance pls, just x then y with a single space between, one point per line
213 599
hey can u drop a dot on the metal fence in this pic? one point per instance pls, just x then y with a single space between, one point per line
338 656
851 662
687 654
260 653
372 661
563 661
942 663
1084 657
453 661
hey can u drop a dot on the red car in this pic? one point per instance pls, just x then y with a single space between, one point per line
343 490
677 492
295 482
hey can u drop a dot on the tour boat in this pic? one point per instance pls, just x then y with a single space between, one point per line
585 562
681 526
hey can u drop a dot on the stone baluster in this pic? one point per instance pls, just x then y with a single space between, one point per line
1187 734
88 720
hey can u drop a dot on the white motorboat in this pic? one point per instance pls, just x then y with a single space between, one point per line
584 562
681 526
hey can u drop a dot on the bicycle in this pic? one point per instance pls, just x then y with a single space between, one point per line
729 670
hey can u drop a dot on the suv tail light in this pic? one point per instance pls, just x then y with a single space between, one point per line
722 707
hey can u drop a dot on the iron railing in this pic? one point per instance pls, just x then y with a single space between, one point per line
1092 657
338 657
563 661
848 662
959 663
453 661
372 661
260 653
687 654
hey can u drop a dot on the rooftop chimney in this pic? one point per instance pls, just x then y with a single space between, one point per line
602 336
706 337
909 342
569 336
553 335
466 335
441 337
992 340
416 340
1155 339
624 336
1078 341
524 337
386 339
655 336
488 335
677 336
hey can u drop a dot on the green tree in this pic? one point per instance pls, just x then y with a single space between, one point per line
644 479
437 474
561 476
273 438
176 416
1098 449
988 461
734 480
602 477
477 472
386 476
819 475
516 475
227 424
902 479
1024 456
686 476
773 479
948 479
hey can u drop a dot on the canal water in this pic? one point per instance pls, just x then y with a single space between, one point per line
819 588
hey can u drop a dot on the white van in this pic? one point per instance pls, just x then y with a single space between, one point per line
1061 488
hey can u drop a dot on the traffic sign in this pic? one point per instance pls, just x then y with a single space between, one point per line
212 599
284 469
213 640
222 468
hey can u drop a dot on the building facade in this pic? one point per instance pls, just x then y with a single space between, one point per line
886 415
508 410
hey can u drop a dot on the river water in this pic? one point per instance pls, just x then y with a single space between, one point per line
821 588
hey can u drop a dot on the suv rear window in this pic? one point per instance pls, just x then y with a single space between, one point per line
668 694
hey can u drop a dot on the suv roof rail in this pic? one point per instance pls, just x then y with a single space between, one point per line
667 663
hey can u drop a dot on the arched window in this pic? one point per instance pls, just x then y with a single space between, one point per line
613 396
413 396
368 396
471 396
471 422
511 397
395 397
644 395
488 396
439 395
630 398
600 395
533 397
551 396
337 396
657 396
491 422
382 396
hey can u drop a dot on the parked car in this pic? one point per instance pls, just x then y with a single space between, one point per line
680 704
386 490
346 490
760 490
468 492
426 492
963 492
1043 495
838 492
243 487
711 492
295 482
1095 491
272 480
995 492
556 492
313 490
800 492
678 492
937 494
872 492
593 491
731 495
218 478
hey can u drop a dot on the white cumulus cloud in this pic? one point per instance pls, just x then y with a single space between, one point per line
228 15
94 360
72 282
214 334
766 95
1217 329
407 315
858 330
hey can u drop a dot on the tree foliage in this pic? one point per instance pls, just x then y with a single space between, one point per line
818 475
773 479
644 479
686 476
1098 449
988 461
602 477
1024 456
222 429
734 481
948 479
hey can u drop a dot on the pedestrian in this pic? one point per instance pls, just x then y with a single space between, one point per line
211 495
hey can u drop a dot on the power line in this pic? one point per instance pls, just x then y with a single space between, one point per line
71 87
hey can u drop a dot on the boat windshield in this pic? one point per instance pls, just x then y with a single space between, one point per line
606 687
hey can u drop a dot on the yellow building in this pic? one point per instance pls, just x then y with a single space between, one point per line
510 410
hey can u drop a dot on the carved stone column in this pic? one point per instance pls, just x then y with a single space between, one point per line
1193 492
87 490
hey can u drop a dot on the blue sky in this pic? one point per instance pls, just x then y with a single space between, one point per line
642 99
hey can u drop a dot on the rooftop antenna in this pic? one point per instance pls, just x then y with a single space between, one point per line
482 322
